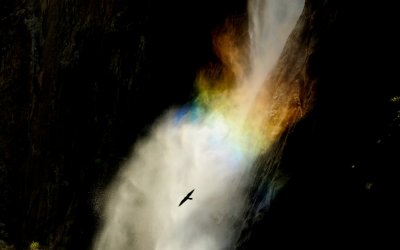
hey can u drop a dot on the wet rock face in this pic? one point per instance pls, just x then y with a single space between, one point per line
14 102
69 78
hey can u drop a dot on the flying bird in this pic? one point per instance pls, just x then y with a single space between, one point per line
187 197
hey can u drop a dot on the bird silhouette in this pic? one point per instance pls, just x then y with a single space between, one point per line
187 197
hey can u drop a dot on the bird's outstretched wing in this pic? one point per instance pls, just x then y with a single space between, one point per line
183 201
190 193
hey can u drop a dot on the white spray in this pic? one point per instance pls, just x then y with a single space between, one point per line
196 150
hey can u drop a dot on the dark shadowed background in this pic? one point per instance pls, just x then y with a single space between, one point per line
80 81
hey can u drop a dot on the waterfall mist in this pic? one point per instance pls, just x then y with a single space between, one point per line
211 146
